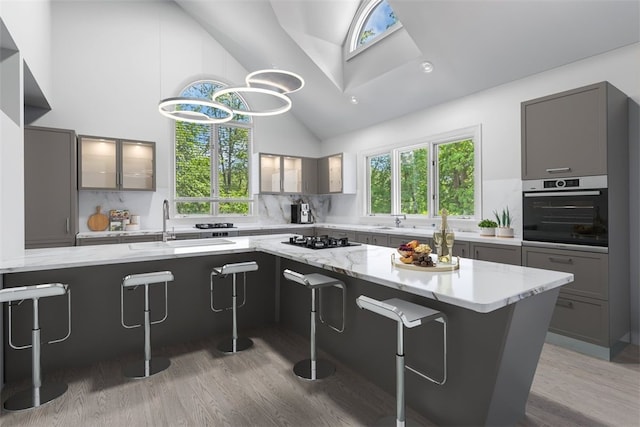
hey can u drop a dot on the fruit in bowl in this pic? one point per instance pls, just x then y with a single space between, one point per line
423 249
405 250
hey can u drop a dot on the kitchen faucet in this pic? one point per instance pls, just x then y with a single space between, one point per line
404 216
165 217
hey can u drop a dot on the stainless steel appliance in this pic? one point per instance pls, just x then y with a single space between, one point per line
222 229
570 211
301 214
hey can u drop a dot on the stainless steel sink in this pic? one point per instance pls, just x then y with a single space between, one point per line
198 242
178 244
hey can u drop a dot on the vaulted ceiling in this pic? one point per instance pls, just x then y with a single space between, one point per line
473 45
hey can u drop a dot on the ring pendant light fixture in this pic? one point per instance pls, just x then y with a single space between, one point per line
269 82
278 80
190 116
286 106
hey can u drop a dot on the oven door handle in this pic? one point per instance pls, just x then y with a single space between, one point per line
563 193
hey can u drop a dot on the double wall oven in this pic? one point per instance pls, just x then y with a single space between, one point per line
566 212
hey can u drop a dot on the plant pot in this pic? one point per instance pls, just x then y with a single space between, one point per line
487 231
504 232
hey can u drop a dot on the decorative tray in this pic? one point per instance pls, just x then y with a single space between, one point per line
441 266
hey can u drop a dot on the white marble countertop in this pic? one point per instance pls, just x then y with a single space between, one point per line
398 231
478 285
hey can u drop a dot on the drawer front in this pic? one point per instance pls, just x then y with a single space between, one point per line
590 270
505 254
581 318
460 249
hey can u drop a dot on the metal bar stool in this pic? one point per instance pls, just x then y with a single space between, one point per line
235 343
38 394
146 367
407 315
313 369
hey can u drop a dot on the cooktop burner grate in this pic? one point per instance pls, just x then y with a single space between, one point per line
320 242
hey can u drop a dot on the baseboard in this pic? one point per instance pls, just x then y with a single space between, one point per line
593 350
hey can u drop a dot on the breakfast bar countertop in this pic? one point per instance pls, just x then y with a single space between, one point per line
478 285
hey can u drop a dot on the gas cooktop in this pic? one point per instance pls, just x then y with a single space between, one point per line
320 242
215 225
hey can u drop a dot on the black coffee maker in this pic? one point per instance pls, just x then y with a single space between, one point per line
301 214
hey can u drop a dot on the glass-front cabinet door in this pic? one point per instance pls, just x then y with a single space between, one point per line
114 164
98 163
138 165
292 175
269 173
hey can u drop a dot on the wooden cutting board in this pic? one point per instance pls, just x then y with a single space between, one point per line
98 221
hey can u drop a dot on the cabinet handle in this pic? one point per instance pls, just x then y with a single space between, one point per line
67 225
462 253
564 303
477 254
561 260
558 170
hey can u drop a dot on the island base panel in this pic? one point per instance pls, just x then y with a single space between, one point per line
492 357
97 334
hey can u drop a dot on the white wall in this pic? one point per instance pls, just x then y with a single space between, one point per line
29 22
113 62
498 111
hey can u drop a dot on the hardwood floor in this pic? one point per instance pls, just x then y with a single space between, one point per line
203 387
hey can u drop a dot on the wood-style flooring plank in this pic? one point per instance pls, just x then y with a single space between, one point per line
257 387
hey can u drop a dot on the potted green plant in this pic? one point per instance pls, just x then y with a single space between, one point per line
487 227
504 223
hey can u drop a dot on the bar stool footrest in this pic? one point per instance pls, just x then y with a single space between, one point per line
242 343
392 421
24 399
136 370
324 369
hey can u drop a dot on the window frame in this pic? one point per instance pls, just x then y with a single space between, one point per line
473 133
361 18
214 198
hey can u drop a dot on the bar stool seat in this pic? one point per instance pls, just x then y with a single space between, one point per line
147 367
312 368
39 393
407 315
233 344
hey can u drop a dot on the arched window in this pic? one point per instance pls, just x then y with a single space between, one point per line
212 162
373 21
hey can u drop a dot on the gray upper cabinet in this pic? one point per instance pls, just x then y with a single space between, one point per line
287 174
337 174
116 164
309 175
50 187
566 134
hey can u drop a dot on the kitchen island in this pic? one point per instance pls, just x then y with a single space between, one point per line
498 314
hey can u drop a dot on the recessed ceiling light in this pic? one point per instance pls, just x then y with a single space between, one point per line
353 100
427 67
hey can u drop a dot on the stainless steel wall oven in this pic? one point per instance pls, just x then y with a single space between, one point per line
569 210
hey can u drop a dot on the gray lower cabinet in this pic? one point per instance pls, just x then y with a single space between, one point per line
307 231
185 236
351 235
394 240
89 241
50 187
505 254
583 310
461 249
372 239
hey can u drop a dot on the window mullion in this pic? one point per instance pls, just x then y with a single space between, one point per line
214 167
433 177
395 182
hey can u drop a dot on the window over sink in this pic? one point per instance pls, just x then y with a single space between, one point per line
439 172
212 162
